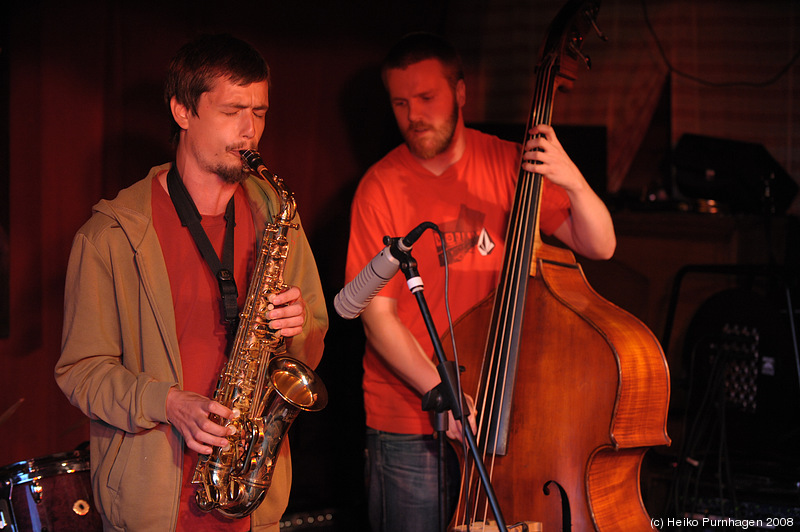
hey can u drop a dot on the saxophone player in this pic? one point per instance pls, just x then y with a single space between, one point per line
148 315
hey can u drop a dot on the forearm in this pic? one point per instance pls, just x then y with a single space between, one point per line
91 370
591 228
398 348
102 388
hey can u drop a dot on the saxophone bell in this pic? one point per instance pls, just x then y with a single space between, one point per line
296 384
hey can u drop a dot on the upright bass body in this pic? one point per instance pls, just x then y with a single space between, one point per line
570 390
264 386
590 398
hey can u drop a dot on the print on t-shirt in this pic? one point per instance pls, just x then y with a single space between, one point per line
462 234
485 243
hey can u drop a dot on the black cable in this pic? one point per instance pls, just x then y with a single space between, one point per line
459 392
721 453
728 472
702 428
673 500
697 79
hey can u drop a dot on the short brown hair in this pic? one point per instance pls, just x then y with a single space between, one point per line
419 46
200 63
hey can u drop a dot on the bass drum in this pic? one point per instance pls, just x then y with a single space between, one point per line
52 493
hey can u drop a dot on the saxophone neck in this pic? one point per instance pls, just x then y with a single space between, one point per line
288 207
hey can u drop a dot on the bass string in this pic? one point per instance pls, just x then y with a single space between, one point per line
521 237
522 231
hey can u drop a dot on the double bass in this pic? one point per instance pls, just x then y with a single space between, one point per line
570 390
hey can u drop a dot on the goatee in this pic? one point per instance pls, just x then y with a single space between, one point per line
231 175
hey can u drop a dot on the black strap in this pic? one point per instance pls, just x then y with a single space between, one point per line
190 218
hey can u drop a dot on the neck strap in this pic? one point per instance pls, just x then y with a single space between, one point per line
190 218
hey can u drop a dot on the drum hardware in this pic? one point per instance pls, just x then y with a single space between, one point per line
5 515
48 493
81 507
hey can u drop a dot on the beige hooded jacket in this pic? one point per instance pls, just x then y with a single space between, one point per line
120 357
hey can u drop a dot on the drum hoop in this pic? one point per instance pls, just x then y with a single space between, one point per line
47 466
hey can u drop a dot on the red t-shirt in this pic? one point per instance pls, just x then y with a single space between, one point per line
469 203
198 320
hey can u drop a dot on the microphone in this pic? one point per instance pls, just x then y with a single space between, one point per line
357 294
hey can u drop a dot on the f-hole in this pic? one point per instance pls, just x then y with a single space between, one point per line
566 515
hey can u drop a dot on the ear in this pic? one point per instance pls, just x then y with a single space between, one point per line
461 93
180 113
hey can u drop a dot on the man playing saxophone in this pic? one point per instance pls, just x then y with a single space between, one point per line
150 312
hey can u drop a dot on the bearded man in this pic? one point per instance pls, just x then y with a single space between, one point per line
463 181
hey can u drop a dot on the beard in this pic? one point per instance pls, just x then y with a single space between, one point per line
438 143
231 175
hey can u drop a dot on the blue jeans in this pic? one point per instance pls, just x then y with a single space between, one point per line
403 482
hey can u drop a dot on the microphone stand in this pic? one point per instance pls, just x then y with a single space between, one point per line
445 396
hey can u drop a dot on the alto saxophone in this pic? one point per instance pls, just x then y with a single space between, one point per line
262 385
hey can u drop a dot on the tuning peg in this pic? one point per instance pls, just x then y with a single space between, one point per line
577 51
593 22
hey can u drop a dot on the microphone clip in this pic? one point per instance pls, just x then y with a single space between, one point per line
400 249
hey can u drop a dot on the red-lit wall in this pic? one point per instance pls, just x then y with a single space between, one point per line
86 119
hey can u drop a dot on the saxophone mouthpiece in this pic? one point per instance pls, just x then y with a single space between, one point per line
252 159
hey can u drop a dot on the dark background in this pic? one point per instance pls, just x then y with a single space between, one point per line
83 117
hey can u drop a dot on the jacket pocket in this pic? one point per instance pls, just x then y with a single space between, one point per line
115 476
117 469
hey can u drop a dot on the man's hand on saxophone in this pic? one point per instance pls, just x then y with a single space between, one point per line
189 413
288 312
